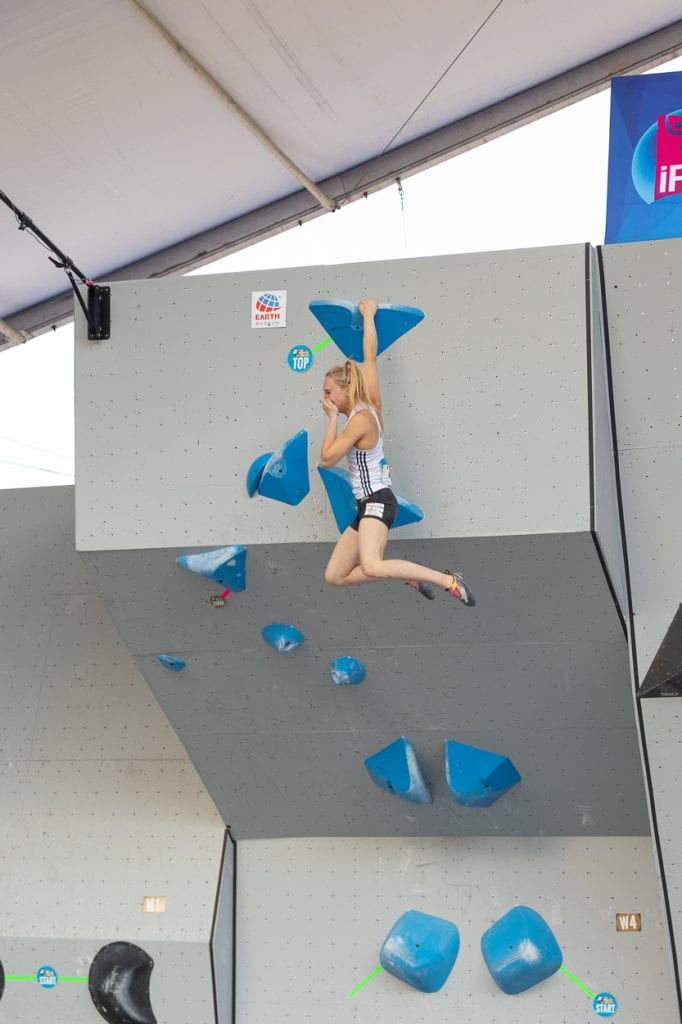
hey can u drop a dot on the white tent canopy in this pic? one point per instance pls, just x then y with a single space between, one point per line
151 140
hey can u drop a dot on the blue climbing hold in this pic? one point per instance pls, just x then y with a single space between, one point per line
340 493
282 475
396 769
174 664
343 323
520 950
282 637
421 950
477 778
253 477
224 565
347 671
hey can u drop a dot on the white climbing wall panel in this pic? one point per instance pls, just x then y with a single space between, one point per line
486 401
99 802
643 283
312 916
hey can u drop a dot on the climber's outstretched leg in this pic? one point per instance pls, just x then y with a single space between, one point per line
359 558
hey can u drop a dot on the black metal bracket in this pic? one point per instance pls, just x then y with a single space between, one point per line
99 312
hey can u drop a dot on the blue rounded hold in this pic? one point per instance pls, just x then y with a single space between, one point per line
282 637
520 950
347 671
421 950
174 664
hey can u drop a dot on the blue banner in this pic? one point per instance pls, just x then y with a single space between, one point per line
644 196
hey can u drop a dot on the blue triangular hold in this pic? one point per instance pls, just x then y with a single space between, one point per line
396 769
224 565
340 493
343 323
477 778
253 477
285 474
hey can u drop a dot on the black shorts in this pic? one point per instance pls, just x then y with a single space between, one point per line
381 505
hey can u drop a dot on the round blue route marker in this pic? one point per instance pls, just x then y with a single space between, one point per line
604 1004
300 358
47 977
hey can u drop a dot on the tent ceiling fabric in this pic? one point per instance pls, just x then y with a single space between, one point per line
118 150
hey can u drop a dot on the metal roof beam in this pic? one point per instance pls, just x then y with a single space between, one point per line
377 173
229 101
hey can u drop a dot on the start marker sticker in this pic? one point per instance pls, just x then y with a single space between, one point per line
604 1004
47 977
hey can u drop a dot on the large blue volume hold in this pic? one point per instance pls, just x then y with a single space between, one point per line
224 565
421 950
283 475
343 323
475 777
396 769
520 950
342 500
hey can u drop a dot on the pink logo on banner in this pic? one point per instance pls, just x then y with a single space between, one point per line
668 179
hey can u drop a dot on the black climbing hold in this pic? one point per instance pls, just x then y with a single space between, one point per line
119 984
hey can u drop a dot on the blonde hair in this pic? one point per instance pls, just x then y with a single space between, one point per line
349 375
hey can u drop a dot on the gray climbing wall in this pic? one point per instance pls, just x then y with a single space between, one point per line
100 805
663 730
606 521
312 915
497 415
499 426
486 402
538 669
643 283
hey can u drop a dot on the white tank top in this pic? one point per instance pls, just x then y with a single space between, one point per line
368 469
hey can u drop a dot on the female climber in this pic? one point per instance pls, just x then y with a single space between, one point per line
353 390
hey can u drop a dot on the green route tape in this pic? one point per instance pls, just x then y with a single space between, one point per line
363 983
578 983
568 974
321 345
32 977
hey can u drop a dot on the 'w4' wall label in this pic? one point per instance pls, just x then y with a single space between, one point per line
268 309
628 922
